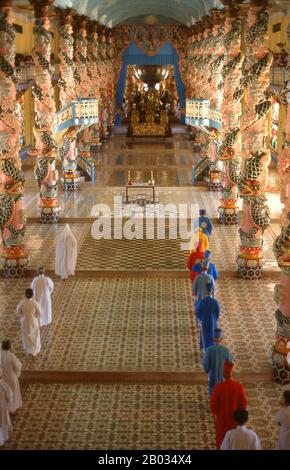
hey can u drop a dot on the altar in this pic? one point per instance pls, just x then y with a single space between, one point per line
149 113
138 186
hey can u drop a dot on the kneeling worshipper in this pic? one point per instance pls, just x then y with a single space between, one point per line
204 223
207 312
196 256
211 267
42 287
5 404
66 254
29 312
11 370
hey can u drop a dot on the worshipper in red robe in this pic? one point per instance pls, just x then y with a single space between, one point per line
227 397
195 257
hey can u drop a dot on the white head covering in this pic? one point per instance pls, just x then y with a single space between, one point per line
66 254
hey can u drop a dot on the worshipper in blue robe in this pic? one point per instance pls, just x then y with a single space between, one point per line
199 289
212 270
207 312
213 361
204 223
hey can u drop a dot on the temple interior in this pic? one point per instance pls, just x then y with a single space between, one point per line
123 115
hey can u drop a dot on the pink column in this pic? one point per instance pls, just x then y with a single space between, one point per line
103 113
45 145
282 253
67 151
230 150
83 82
93 72
13 257
252 186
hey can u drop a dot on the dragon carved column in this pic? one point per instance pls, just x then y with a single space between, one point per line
103 113
93 45
229 150
45 145
112 80
82 78
281 350
67 151
253 179
13 257
216 87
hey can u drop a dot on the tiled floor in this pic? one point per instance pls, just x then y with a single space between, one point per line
124 255
131 417
111 318
144 324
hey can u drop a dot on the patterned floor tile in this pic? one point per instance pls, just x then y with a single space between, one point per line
131 417
143 324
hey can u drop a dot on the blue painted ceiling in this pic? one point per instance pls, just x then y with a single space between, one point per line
113 12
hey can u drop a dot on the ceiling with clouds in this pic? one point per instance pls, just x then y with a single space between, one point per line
113 12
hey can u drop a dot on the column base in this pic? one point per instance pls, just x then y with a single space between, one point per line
215 186
14 262
95 148
250 269
71 185
281 368
49 215
228 216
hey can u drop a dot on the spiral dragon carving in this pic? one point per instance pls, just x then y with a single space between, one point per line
45 144
14 256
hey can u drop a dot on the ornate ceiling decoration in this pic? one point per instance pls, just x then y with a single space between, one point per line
113 12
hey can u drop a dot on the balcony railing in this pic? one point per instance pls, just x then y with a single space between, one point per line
80 112
199 113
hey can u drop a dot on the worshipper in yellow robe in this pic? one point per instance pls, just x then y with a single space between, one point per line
198 237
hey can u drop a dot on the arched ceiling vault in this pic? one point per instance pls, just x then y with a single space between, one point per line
113 12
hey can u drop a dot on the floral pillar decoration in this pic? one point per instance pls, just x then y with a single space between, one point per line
13 257
82 79
67 151
230 149
45 145
103 84
111 83
93 73
281 350
252 185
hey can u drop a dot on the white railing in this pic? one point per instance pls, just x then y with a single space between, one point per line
199 113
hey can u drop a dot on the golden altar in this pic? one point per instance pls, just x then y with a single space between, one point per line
151 126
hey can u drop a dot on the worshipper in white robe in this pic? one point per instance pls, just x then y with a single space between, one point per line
29 313
42 287
66 254
5 404
283 420
241 438
11 370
